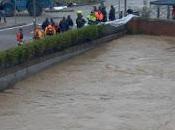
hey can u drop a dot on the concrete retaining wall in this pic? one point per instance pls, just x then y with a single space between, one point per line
13 75
151 27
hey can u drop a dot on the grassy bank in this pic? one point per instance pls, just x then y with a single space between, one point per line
49 45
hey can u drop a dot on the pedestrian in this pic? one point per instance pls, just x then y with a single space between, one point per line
52 22
50 30
69 22
45 24
104 12
80 21
63 25
38 33
3 15
99 16
19 37
120 14
94 8
173 12
112 13
92 19
101 6
57 28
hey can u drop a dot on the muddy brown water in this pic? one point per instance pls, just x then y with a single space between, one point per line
127 84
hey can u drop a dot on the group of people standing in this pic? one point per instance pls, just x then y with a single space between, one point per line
50 27
100 15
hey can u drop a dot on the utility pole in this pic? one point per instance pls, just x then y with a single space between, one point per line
34 15
125 7
118 6
15 12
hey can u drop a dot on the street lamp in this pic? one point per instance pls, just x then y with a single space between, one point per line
34 16
119 6
15 11
125 7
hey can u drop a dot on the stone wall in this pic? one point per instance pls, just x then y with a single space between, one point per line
151 27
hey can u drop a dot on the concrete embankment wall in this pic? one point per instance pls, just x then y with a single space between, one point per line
12 75
151 27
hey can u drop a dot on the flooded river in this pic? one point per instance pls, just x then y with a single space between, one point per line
127 84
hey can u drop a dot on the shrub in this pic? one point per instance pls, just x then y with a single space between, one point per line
51 44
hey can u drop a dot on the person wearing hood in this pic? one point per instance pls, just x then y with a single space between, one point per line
63 25
104 12
69 22
45 24
80 21
52 22
112 13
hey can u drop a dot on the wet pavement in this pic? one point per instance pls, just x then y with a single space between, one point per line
127 84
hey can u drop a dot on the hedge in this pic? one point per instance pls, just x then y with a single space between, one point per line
49 45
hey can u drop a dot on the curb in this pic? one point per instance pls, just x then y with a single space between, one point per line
13 26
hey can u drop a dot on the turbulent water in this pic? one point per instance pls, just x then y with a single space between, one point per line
127 84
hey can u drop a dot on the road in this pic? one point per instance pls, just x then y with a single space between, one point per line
126 84
8 37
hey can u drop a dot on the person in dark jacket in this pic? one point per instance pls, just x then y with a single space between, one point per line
63 25
129 11
94 9
104 12
80 21
52 22
69 22
112 13
45 24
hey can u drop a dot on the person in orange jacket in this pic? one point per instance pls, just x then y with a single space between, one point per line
19 37
50 30
99 16
38 33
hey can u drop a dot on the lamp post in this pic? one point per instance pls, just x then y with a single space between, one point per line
119 6
15 11
34 15
125 7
